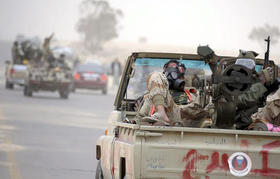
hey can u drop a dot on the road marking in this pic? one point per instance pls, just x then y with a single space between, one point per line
13 169
5 164
11 156
7 146
7 127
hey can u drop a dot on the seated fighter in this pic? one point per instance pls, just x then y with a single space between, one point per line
166 99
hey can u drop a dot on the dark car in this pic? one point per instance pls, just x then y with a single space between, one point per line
90 76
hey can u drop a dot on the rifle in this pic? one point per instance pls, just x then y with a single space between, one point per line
270 63
266 55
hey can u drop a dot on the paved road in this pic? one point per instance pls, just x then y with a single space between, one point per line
45 137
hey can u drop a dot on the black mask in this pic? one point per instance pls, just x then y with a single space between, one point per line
173 75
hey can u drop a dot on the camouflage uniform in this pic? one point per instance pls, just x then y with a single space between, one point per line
248 103
16 54
46 48
157 85
271 111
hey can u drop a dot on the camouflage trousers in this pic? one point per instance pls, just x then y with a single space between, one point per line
189 115
271 111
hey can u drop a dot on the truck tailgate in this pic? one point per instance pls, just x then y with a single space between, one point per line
208 153
19 71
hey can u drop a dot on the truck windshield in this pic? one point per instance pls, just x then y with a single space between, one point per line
144 66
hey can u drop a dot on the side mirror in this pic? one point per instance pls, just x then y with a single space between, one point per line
7 62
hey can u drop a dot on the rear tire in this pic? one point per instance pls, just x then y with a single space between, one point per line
27 91
104 91
73 89
24 90
64 94
99 173
9 85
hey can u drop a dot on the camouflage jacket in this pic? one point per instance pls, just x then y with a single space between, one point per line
247 103
253 97
271 111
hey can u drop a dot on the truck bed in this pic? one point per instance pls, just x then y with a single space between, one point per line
183 152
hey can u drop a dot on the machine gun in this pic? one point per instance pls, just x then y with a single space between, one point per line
204 88
228 80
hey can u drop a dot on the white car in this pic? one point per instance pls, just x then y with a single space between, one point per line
14 74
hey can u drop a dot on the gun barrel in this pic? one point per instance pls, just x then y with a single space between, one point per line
266 55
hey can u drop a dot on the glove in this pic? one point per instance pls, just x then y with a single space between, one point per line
268 74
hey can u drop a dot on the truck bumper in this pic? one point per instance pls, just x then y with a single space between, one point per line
18 81
48 85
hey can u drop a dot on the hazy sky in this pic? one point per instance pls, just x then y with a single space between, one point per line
223 24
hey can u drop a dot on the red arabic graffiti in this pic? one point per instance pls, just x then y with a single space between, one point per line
192 157
215 164
244 144
265 170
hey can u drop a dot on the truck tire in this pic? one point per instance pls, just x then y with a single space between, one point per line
73 89
64 94
104 91
99 173
24 90
9 85
28 90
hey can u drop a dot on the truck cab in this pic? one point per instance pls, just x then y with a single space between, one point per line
131 150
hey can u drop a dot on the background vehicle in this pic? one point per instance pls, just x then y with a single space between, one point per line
129 150
14 74
48 79
90 76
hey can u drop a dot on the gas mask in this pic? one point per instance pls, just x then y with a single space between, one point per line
173 75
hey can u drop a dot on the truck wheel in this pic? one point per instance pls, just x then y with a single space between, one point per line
99 173
73 89
28 91
104 91
9 85
24 90
64 94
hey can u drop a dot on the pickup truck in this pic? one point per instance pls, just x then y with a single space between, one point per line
14 74
130 150
41 77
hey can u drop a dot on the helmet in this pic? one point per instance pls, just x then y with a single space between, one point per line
246 59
